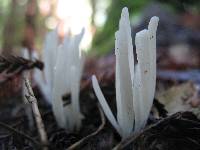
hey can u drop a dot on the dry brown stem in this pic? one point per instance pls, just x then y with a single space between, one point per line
36 113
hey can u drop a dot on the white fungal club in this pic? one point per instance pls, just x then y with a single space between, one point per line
62 74
134 87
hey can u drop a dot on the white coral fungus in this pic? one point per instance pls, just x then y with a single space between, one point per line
135 87
62 74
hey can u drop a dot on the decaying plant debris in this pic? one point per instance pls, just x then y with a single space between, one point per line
11 66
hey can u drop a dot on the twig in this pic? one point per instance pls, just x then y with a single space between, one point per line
12 64
20 133
83 140
40 125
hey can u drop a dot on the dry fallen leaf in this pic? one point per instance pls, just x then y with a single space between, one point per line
183 97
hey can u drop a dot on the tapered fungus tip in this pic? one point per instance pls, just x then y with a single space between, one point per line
155 18
125 13
125 10
153 22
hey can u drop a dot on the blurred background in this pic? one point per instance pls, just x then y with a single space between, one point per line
24 23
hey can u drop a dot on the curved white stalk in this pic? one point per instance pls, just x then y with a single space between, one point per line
104 104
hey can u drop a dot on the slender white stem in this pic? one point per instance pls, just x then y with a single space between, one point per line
152 28
104 104
123 47
75 89
144 72
59 89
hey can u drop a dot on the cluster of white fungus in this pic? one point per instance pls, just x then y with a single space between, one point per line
62 74
67 75
135 86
